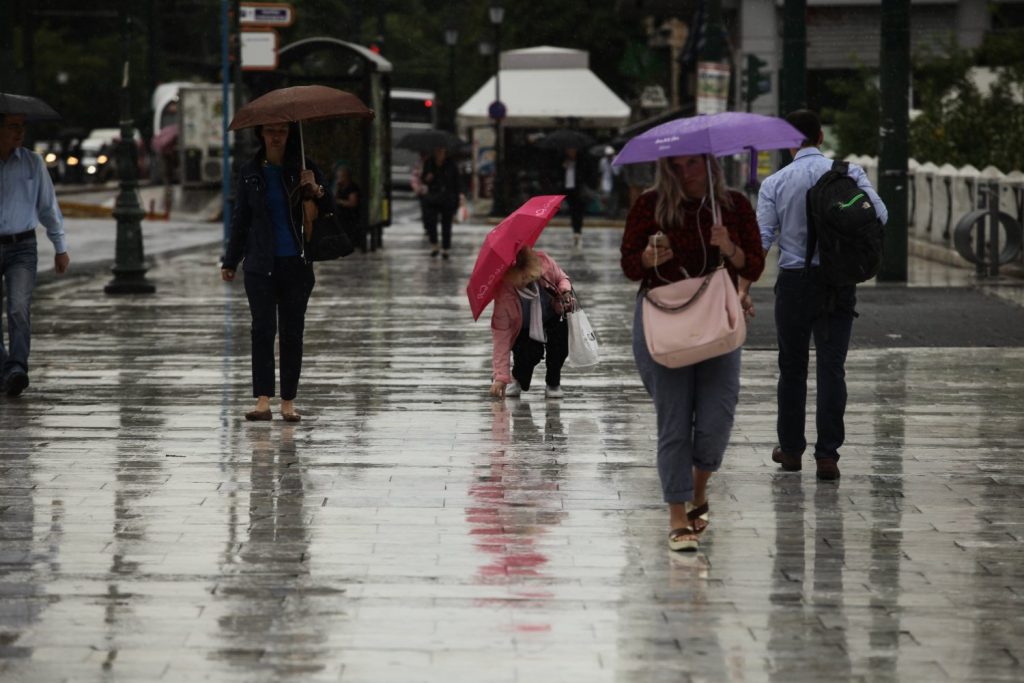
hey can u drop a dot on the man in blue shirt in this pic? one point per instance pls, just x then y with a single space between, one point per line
805 306
27 199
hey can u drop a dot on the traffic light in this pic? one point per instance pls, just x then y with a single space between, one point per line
755 82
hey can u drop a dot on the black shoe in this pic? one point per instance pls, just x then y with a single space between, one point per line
790 463
16 384
828 469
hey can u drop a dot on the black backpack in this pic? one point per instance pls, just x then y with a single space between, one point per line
842 223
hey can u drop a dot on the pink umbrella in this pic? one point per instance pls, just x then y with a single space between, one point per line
498 253
163 140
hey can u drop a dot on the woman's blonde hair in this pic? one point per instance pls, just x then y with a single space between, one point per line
668 211
527 263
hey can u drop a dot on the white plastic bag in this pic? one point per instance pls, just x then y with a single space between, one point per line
582 340
463 213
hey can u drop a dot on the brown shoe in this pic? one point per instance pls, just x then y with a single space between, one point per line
291 417
258 415
790 463
828 469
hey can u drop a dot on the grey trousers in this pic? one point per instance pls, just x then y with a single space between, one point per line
696 405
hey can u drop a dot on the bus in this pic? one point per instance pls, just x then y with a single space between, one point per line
411 110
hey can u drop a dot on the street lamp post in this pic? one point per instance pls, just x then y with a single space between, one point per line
129 259
451 38
497 15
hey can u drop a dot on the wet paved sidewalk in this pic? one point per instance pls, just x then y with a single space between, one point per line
410 529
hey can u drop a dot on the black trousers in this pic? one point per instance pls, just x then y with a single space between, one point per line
802 311
575 201
527 353
431 214
278 305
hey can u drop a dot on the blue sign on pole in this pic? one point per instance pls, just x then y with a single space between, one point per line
497 110
266 14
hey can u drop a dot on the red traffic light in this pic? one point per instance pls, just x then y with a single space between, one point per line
428 103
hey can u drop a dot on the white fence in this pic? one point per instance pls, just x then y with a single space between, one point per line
940 195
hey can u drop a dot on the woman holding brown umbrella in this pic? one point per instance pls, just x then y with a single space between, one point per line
278 197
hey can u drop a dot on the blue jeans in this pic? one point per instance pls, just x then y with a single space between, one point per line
802 311
18 263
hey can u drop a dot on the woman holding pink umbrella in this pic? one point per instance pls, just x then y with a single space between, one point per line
673 233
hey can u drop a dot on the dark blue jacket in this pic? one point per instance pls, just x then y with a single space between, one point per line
252 232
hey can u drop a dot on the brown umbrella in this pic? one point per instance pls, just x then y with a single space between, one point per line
300 103
297 104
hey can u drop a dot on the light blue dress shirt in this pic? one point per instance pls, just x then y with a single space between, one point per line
782 204
27 198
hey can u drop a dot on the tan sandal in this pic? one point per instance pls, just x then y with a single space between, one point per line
684 538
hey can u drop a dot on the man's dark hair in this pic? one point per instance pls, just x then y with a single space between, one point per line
808 123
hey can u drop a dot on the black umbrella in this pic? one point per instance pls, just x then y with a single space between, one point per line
566 138
429 140
33 109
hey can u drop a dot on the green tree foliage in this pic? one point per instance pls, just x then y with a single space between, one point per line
961 123
958 121
180 40
855 126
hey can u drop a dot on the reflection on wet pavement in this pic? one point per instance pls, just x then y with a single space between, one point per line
410 529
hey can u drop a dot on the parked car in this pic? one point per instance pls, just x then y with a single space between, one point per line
99 154
52 153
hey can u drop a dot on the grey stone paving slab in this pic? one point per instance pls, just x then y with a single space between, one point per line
410 529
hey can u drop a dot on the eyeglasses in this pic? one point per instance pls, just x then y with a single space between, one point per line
15 127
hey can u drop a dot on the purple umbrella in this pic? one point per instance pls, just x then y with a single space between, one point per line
729 132
722 134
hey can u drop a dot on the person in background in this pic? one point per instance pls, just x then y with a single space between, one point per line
671 234
420 189
609 173
346 197
441 178
638 178
27 198
572 187
529 320
277 196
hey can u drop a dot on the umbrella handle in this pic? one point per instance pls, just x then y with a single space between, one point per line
302 148
715 218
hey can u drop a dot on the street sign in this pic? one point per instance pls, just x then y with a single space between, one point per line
259 49
712 87
265 14
497 110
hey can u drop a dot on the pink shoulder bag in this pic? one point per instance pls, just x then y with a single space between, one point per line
691 320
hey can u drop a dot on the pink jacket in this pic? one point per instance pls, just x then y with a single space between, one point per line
507 319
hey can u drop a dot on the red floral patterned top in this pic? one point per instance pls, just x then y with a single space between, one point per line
740 221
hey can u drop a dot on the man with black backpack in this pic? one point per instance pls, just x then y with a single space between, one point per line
827 220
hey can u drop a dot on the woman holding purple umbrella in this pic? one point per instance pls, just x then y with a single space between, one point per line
671 234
